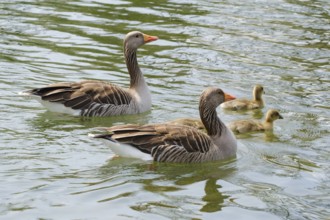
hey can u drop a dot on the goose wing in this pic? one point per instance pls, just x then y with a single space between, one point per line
196 123
237 104
162 141
254 105
82 95
243 126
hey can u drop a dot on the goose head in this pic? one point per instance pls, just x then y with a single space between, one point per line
273 115
258 90
212 97
135 39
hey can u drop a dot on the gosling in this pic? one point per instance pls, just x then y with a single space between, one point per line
245 104
250 125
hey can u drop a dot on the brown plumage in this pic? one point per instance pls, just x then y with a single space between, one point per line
245 104
251 125
85 94
97 98
177 143
190 122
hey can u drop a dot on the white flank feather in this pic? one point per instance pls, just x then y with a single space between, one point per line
52 106
125 150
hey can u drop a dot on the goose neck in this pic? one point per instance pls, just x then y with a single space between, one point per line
257 96
211 121
132 67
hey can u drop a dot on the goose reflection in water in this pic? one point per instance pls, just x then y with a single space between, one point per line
179 183
213 197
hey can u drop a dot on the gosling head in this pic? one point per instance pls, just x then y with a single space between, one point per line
273 115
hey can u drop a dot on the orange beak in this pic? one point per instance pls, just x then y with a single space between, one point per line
229 97
148 38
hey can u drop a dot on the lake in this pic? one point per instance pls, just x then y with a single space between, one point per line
51 169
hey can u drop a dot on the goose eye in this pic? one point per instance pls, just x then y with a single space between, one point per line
137 36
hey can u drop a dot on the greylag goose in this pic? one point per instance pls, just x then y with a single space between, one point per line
177 143
245 104
97 98
244 126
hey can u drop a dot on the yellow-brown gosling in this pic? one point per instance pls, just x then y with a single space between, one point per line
245 104
251 125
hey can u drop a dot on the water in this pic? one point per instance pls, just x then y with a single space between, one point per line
51 169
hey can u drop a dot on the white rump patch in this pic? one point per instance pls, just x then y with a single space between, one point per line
52 106
125 150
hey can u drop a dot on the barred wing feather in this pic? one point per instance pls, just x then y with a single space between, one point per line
89 96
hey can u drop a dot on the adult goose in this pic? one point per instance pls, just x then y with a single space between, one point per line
250 125
177 143
245 104
97 98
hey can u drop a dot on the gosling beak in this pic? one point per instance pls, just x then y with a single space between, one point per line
280 116
148 38
229 97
